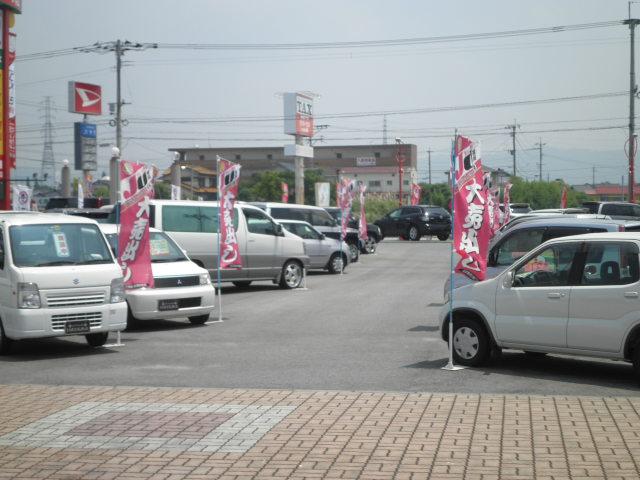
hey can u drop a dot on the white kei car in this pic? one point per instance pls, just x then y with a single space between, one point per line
182 288
577 295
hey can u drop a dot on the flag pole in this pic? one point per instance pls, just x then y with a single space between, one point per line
450 365
219 239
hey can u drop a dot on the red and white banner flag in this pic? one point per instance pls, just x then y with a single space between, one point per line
362 223
285 193
345 193
505 202
228 180
471 227
563 197
416 190
136 189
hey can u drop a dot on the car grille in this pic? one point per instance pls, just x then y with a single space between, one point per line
58 321
95 298
169 282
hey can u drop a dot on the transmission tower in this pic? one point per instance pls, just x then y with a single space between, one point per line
48 166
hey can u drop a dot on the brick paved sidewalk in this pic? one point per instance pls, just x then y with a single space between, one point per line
175 433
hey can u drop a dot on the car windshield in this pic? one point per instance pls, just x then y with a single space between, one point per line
162 248
437 210
46 245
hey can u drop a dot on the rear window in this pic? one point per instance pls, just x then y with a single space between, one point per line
438 210
618 210
193 219
289 214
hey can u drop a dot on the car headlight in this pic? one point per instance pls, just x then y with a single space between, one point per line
205 279
28 295
117 290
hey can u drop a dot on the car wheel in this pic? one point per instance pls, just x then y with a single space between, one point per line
635 358
5 342
443 236
354 252
242 283
199 319
97 339
291 275
470 343
132 322
336 263
413 233
369 246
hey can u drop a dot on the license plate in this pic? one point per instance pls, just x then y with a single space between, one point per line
81 326
164 305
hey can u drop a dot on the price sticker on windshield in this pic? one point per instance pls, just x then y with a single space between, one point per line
61 245
159 247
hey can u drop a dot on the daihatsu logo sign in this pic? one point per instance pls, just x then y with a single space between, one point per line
85 98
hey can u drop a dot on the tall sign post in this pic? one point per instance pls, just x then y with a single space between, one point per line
86 99
298 121
7 97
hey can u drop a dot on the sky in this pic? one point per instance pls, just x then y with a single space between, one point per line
178 97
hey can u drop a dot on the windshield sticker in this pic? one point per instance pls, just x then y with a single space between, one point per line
60 242
159 247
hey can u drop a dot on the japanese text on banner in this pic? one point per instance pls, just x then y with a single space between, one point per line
228 179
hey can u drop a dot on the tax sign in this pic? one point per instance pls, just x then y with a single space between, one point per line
85 98
298 114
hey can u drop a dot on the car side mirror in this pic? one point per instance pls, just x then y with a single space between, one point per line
507 281
279 231
322 236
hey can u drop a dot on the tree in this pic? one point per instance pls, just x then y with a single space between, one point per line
162 190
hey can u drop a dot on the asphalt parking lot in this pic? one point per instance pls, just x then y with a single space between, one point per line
373 328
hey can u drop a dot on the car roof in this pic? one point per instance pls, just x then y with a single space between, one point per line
111 228
202 203
563 221
35 218
281 220
284 205
600 236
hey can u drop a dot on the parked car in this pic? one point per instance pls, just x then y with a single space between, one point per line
72 202
618 210
518 241
316 216
324 253
575 295
268 251
57 277
100 215
528 217
415 221
182 288
517 209
373 231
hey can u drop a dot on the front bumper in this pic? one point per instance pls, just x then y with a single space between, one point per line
21 323
143 302
435 228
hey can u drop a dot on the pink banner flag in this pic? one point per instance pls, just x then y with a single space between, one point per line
416 190
285 193
362 223
563 197
505 202
345 194
228 180
136 189
471 227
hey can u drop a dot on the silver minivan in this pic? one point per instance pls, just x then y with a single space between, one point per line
268 251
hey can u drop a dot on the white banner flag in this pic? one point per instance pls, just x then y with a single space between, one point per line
21 198
80 195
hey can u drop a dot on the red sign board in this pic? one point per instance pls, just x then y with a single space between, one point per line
85 98
15 5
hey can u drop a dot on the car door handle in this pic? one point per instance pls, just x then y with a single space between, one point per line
555 295
631 294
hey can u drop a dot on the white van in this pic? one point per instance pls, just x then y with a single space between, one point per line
182 288
268 251
57 277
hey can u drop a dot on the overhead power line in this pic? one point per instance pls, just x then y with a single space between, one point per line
349 44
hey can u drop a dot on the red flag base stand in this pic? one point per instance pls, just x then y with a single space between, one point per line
118 341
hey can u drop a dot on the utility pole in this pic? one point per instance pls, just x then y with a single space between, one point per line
400 159
593 178
513 138
540 145
633 88
429 156
384 129
48 166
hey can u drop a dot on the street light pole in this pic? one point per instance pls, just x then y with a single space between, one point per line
633 89
400 159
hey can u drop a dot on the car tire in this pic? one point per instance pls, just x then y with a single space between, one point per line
354 252
635 358
443 236
97 339
292 275
132 322
199 319
242 283
5 342
470 343
369 246
336 263
413 233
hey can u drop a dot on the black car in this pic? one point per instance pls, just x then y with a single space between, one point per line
373 231
415 221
